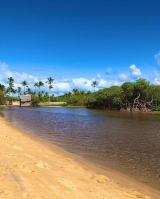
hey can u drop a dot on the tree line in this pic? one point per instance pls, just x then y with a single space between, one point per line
140 95
75 97
130 96
8 93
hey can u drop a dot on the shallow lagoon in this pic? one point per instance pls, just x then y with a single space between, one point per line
126 142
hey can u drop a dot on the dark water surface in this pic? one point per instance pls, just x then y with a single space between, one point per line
126 142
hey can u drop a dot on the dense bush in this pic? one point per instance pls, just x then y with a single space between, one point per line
130 96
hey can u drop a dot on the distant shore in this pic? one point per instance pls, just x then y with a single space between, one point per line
32 168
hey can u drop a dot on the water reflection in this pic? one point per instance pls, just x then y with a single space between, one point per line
127 142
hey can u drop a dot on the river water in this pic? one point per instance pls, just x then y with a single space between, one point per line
126 142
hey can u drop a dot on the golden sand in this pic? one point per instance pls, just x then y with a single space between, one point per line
35 169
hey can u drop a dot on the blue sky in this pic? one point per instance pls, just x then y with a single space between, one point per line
78 41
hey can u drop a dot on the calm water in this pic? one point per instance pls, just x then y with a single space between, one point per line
127 142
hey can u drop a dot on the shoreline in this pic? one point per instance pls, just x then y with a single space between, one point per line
33 168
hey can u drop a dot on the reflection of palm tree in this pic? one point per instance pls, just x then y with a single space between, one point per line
24 83
94 84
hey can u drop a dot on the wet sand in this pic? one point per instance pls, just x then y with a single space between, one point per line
32 168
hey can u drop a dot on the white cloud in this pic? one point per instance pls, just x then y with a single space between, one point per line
157 58
5 73
122 77
156 80
61 86
135 71
82 83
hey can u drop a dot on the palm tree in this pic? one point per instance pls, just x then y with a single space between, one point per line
10 88
24 83
29 91
36 85
82 93
69 94
75 91
40 84
50 87
50 81
94 84
19 89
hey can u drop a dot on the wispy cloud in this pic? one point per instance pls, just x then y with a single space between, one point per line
110 71
122 77
157 58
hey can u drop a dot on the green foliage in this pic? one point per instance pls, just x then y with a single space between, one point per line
131 96
94 84
34 100
2 87
2 98
107 98
10 88
76 98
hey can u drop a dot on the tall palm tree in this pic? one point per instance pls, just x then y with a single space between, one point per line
50 87
36 85
94 84
40 84
50 81
19 89
10 88
24 83
29 91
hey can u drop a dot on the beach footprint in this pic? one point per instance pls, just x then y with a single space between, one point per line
67 183
43 165
25 168
3 136
11 155
130 193
100 179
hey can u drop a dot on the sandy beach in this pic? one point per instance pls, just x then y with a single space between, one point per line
35 169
